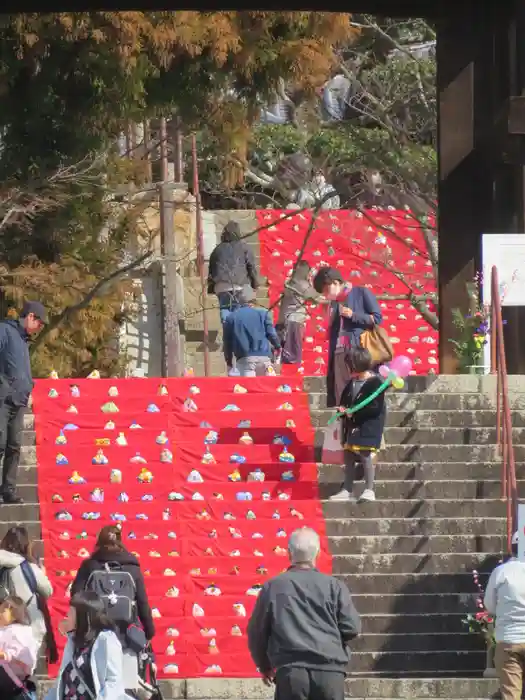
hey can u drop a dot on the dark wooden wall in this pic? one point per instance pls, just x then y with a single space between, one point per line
481 66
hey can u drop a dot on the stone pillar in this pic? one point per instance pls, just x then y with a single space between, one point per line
479 191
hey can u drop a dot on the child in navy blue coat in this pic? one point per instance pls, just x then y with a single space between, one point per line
362 431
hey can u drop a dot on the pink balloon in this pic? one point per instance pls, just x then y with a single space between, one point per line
401 365
384 371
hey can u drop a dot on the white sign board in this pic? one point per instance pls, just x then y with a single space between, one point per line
507 252
521 531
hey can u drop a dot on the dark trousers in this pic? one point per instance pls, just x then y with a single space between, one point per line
292 339
293 683
11 427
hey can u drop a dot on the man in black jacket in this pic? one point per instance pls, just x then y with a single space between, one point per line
16 384
301 625
231 267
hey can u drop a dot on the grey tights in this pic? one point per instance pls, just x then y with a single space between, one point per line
352 459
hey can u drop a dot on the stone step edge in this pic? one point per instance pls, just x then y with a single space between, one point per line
245 688
387 500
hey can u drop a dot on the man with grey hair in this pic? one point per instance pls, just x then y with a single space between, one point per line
249 334
505 600
301 625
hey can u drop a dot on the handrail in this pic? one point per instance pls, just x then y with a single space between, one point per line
498 365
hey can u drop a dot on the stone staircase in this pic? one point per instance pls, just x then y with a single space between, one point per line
407 557
194 336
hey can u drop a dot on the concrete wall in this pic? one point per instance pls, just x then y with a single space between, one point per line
141 337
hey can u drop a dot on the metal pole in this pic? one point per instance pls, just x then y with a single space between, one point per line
200 253
172 354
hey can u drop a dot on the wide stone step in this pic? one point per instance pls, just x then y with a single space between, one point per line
416 509
422 527
412 624
401 641
407 583
27 512
405 563
445 452
416 544
414 604
355 687
416 689
402 401
391 661
432 471
444 384
392 453
433 490
448 436
34 527
397 418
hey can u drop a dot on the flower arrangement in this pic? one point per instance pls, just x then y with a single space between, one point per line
473 330
480 622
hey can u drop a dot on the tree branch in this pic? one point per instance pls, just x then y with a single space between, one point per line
96 291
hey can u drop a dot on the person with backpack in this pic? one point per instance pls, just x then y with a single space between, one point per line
114 575
20 576
231 267
92 662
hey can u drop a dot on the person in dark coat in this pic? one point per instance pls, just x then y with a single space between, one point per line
353 310
231 268
301 625
362 431
110 549
16 385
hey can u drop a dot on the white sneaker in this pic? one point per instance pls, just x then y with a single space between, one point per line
368 495
343 495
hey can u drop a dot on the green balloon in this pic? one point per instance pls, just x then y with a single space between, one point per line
364 402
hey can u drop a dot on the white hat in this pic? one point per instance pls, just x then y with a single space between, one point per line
515 538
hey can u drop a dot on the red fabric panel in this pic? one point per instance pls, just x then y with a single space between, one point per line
377 250
202 544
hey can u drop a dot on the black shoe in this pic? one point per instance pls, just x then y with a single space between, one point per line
12 499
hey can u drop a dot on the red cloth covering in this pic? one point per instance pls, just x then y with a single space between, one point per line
377 249
207 553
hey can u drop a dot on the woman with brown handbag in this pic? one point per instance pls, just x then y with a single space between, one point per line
355 319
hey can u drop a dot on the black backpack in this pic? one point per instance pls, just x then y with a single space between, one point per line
118 591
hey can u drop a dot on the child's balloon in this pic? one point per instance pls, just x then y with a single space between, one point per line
398 382
401 365
384 371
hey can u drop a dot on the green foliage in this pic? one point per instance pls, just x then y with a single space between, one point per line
70 83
